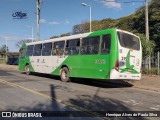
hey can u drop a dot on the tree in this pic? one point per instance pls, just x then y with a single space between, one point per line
78 29
21 42
3 49
65 34
134 23
54 37
154 22
147 46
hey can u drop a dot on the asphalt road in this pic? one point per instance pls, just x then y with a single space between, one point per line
40 92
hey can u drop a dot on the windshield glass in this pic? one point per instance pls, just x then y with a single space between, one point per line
129 41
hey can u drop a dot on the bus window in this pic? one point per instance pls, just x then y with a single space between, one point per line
37 50
90 45
106 44
30 50
47 47
58 48
72 47
129 41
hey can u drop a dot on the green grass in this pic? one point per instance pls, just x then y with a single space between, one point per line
153 70
2 61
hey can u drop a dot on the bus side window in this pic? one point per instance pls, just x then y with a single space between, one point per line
37 50
29 50
47 47
90 45
58 48
72 47
106 44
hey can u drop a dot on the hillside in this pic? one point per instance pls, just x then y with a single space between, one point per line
134 23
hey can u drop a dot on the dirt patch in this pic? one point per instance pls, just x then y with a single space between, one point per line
9 67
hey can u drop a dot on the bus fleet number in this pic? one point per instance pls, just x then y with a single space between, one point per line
100 61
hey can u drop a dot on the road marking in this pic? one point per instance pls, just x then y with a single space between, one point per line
54 99
155 107
133 102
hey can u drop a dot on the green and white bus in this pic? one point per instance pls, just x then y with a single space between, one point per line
104 54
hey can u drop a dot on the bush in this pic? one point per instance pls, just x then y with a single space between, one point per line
153 70
2 61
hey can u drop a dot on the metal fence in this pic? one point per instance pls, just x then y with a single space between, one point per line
155 64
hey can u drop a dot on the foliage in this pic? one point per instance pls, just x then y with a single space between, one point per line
77 29
65 34
153 70
21 42
134 23
147 46
154 22
3 49
62 35
54 37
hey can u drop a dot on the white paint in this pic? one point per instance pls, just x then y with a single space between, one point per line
46 64
132 102
135 60
155 107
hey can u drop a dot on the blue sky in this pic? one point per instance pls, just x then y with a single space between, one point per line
57 17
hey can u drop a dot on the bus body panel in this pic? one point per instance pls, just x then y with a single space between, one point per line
89 66
99 66
129 62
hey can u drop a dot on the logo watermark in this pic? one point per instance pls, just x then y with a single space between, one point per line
19 15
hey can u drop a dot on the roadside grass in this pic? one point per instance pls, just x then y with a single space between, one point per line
2 61
153 70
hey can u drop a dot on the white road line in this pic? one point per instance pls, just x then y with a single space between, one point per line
155 107
131 101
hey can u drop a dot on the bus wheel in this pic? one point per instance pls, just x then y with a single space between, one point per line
65 74
27 70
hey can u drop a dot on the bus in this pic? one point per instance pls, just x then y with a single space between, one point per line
110 54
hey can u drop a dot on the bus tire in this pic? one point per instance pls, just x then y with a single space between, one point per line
64 74
27 70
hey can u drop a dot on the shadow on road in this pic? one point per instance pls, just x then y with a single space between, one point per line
90 82
91 103
5 73
102 83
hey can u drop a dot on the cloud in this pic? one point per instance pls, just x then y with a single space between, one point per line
12 38
111 4
53 23
66 22
44 21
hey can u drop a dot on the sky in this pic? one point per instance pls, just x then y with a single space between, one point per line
57 17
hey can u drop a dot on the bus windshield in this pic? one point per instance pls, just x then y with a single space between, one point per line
129 41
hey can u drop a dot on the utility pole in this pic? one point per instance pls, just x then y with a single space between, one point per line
147 29
38 18
6 51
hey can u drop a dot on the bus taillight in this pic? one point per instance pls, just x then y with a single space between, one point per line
117 66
